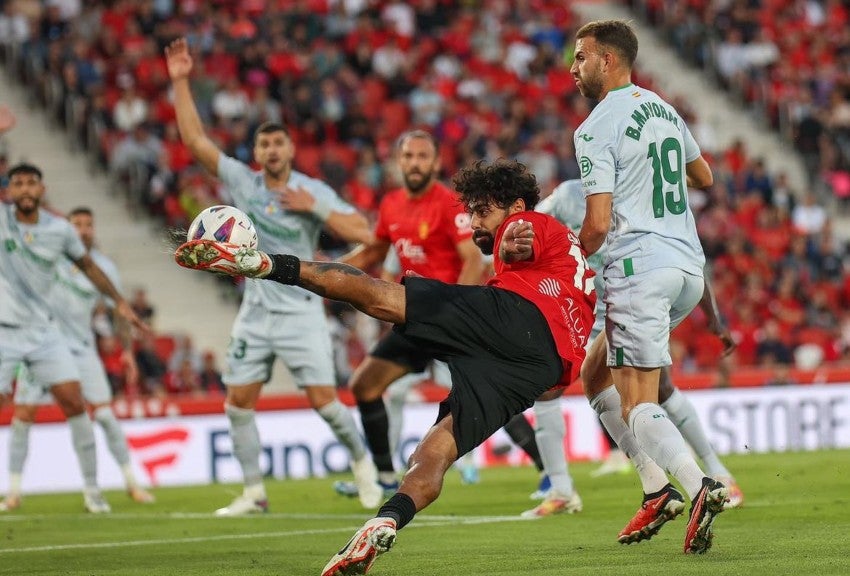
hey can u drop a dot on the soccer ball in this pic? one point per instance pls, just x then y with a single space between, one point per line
224 224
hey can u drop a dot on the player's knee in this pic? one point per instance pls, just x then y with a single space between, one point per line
320 396
25 413
72 406
366 388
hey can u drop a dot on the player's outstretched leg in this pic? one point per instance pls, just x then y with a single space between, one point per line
381 300
421 485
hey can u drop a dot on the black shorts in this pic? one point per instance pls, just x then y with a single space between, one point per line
498 346
396 348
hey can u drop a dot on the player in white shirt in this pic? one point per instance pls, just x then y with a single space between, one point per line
289 210
73 299
637 159
32 243
567 204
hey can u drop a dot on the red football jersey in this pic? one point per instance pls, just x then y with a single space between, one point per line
558 281
425 231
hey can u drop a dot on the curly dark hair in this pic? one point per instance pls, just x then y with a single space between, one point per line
502 182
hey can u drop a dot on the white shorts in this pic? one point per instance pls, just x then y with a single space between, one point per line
302 341
95 384
41 349
642 309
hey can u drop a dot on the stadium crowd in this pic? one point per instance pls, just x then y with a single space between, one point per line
490 79
788 60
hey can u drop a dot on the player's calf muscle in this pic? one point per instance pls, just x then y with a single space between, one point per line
379 299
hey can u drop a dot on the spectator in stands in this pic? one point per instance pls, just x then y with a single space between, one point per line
210 376
183 380
808 216
151 367
263 108
142 306
184 350
130 110
141 149
771 348
231 101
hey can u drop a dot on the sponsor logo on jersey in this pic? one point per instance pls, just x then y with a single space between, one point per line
585 165
585 137
463 222
549 287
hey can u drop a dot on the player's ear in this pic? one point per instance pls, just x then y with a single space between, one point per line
517 206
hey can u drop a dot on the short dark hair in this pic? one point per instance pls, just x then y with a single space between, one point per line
502 182
81 211
615 34
269 128
24 168
418 133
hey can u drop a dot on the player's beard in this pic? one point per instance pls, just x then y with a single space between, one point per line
424 182
591 85
484 240
27 208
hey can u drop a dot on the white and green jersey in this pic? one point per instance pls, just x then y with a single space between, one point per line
73 298
634 145
29 254
278 230
566 204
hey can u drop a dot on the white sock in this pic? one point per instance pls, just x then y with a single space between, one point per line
82 435
116 441
341 421
395 399
19 443
684 417
550 432
246 443
255 491
663 443
607 406
15 484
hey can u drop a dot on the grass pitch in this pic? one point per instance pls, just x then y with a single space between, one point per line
795 520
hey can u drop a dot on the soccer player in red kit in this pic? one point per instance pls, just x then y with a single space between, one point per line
506 343
426 224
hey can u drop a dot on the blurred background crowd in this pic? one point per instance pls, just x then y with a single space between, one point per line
489 78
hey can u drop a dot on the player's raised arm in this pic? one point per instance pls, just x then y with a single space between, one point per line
188 121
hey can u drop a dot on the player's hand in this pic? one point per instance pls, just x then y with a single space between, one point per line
720 330
7 119
296 200
126 311
178 59
517 241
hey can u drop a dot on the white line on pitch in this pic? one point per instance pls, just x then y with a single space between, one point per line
222 537
252 517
